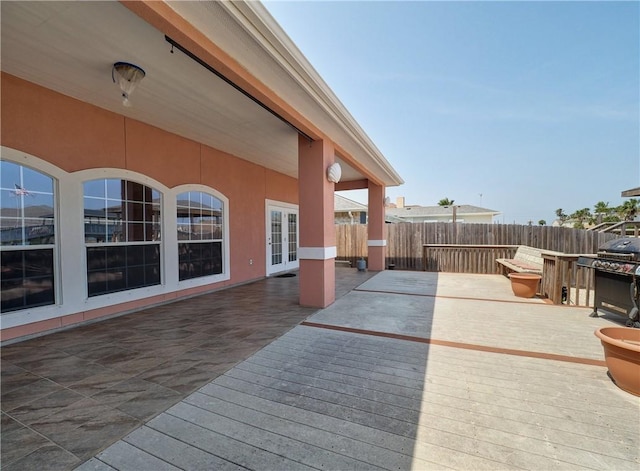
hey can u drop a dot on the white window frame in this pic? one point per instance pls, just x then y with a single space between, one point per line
88 245
50 171
172 238
70 276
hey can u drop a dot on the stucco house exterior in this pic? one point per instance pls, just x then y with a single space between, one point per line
458 213
348 211
216 174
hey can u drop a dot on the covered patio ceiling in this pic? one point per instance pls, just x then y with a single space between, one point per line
70 47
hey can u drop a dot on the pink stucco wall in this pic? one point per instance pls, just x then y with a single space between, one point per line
317 275
74 136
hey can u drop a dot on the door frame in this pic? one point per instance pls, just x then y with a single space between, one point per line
286 209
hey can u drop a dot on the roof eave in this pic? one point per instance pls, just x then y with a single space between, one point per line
258 22
631 192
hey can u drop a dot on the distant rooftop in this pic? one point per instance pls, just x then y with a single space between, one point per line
433 211
404 213
345 205
342 204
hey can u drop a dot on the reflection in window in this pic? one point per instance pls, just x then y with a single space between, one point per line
122 234
121 267
276 237
120 211
293 237
27 237
200 228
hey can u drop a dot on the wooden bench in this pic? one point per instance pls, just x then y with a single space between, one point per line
526 260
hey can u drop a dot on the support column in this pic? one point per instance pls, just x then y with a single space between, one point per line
317 251
376 229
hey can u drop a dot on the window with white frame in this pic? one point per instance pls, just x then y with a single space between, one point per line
122 235
27 237
200 219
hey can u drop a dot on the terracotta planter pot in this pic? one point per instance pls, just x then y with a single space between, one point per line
622 355
524 285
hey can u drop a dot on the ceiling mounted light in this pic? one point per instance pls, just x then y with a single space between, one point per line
127 76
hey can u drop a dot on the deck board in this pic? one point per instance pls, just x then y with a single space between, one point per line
318 398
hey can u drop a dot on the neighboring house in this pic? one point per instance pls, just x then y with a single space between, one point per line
348 211
566 223
217 174
460 213
351 212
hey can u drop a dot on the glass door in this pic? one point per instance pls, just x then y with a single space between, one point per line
282 238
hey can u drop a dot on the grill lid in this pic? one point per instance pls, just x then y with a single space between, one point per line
623 245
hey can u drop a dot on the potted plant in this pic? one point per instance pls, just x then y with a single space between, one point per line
524 285
622 354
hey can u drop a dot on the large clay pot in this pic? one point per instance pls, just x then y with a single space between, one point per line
524 285
622 355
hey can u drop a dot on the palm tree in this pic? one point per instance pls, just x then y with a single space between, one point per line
602 212
562 217
628 210
580 216
445 202
601 208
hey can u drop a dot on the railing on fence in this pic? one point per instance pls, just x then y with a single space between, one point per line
622 228
454 258
563 281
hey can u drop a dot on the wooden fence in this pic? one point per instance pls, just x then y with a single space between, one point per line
465 258
405 241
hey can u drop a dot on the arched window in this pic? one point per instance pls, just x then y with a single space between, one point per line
200 219
27 237
122 235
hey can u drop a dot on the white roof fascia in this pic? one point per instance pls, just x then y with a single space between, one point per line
256 20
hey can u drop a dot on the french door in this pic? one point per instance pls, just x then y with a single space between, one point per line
282 237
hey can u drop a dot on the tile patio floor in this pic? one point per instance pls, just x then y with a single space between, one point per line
68 395
409 370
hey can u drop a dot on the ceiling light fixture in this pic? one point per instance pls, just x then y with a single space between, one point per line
127 76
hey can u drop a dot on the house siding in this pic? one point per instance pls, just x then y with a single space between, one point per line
75 136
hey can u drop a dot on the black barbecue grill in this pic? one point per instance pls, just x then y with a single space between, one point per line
617 278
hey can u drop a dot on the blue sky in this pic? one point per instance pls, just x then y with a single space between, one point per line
520 107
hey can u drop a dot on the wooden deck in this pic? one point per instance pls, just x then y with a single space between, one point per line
411 370
563 281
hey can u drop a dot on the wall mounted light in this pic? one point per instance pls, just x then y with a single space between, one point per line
127 76
334 172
